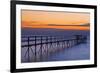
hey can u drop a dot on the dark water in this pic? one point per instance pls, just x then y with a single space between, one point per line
79 52
53 32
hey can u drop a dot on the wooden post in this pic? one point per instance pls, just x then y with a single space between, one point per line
35 47
84 39
47 45
67 43
28 50
78 37
41 47
50 44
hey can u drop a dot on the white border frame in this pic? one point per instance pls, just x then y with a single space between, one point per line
20 65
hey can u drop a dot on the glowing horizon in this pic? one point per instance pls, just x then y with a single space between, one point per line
57 20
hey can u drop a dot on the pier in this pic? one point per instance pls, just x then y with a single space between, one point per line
43 46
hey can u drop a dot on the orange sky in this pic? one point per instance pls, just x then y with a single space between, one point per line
59 20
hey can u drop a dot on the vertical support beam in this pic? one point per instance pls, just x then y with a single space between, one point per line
67 43
28 50
50 44
47 45
35 46
78 37
41 47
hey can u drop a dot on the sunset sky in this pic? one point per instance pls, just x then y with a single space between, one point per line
57 20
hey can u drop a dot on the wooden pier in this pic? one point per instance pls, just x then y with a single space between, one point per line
40 47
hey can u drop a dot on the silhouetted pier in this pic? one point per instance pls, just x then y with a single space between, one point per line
41 47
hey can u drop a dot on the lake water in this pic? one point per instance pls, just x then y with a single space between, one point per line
78 52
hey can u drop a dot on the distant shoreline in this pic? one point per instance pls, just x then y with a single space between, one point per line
52 28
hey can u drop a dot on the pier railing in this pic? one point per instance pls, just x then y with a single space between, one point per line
40 47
